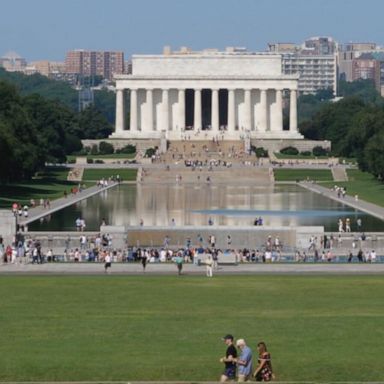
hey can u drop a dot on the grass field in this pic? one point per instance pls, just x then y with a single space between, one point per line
364 185
303 174
50 184
97 174
318 328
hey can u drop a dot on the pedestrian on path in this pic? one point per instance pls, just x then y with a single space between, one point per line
179 263
209 266
107 263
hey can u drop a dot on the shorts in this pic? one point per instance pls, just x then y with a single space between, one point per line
230 372
107 265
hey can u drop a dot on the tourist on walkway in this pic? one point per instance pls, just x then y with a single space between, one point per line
107 263
263 371
179 263
144 259
229 360
209 266
244 361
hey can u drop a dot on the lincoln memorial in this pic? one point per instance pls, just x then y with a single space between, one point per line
206 94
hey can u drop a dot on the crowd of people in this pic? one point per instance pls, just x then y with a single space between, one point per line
238 362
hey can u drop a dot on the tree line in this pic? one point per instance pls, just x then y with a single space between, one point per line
354 124
35 130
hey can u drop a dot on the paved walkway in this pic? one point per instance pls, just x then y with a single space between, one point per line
371 209
191 269
55 205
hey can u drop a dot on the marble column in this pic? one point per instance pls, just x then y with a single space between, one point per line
149 101
120 111
181 119
133 111
165 106
231 124
293 111
197 118
263 110
215 110
247 110
279 110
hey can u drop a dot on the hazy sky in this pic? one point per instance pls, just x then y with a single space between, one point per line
46 29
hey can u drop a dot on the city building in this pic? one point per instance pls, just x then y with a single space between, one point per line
13 62
362 61
315 61
94 63
208 94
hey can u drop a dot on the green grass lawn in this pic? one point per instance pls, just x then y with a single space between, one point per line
363 184
303 174
63 328
97 174
50 184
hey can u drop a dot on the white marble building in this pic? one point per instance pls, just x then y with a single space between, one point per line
204 95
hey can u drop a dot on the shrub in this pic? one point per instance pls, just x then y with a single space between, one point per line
127 149
306 153
71 161
150 152
90 161
94 150
289 151
261 152
106 148
319 151
98 161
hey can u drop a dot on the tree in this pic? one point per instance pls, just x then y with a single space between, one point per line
372 159
93 125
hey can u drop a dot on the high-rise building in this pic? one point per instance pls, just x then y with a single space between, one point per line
13 62
92 63
362 61
315 61
366 67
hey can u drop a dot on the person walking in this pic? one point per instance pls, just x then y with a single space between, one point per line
244 361
107 263
179 263
209 266
263 371
144 259
229 360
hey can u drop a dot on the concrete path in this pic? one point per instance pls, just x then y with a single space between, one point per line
191 269
55 205
371 209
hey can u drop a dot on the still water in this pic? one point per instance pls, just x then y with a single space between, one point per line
279 205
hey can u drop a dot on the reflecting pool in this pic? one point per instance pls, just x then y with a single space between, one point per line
278 205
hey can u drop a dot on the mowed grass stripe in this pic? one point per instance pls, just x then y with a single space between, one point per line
140 328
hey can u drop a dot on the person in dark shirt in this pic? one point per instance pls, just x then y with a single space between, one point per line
229 360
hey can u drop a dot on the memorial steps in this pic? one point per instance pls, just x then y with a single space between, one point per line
218 175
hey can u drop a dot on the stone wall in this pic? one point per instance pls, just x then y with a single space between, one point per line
301 145
141 144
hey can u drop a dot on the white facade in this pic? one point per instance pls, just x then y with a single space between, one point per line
205 95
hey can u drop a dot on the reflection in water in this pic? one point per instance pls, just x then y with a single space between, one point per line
280 205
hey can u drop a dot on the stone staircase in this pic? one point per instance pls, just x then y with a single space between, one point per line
229 151
339 174
218 175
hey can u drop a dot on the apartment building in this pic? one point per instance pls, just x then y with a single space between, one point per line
92 63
